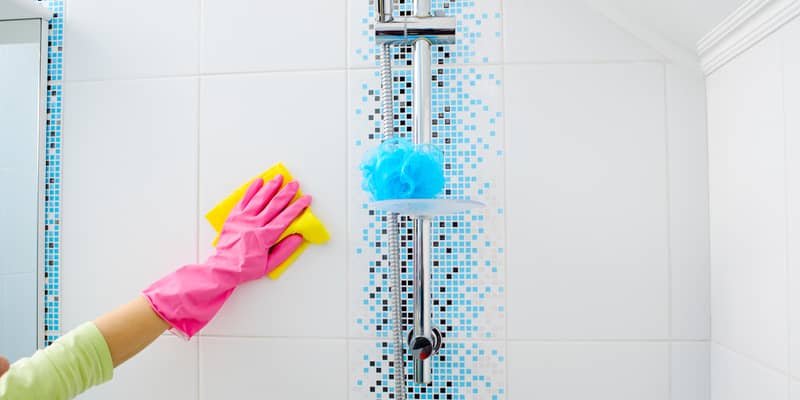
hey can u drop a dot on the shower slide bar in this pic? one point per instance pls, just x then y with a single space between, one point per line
421 31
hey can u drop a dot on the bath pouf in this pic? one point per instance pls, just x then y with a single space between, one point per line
398 169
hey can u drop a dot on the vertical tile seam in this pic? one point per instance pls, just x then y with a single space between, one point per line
709 274
503 107
668 182
346 273
200 44
786 172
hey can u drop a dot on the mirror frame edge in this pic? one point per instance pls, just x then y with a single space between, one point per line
14 10
41 187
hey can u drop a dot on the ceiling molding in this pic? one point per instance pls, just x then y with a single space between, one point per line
669 50
749 24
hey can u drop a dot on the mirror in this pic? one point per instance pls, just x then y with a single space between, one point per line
21 149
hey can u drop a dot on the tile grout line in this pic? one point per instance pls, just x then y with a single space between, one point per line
669 228
524 63
709 286
463 340
348 372
359 68
600 340
197 170
503 105
787 225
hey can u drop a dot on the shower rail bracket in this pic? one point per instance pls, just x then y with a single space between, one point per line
423 347
406 30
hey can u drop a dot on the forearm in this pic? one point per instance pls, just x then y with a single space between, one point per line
74 363
84 357
130 328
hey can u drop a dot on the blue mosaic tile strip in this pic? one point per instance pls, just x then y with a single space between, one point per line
468 278
461 370
52 203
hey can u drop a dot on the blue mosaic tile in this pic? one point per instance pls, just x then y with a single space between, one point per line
461 371
52 202
468 267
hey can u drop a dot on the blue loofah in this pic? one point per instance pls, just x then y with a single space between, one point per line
398 169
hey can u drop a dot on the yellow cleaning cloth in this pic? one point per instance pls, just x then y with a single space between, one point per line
306 224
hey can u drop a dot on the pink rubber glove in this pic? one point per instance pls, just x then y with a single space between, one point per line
248 248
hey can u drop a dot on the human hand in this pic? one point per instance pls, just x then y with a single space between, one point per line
248 249
255 225
4 365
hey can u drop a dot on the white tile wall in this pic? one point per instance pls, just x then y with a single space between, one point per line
167 369
130 196
256 35
578 371
690 368
243 131
795 390
130 39
737 377
748 208
240 368
587 202
688 204
791 92
754 153
566 31
593 179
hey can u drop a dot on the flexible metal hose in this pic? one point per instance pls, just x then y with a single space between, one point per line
393 232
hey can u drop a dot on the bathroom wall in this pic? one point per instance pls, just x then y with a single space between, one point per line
585 277
754 133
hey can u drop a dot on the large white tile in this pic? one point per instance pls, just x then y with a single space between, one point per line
795 390
748 206
688 202
735 377
166 370
587 202
249 123
130 39
129 190
690 371
255 35
579 371
18 315
791 89
542 31
243 368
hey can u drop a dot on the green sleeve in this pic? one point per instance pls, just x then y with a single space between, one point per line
65 369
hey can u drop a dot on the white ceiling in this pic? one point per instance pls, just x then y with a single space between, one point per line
682 22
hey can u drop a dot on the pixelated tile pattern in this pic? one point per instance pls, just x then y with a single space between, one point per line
50 290
468 254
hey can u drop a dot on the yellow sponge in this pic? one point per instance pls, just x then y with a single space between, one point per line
307 225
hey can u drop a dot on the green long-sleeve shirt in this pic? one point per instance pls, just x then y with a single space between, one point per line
65 369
